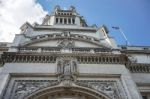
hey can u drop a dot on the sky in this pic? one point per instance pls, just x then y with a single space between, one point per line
132 16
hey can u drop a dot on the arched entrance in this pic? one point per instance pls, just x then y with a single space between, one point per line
66 93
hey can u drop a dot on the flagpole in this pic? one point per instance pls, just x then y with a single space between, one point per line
126 40
124 36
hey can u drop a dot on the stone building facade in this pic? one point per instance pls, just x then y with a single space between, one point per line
64 58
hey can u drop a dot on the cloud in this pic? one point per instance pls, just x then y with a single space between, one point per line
13 13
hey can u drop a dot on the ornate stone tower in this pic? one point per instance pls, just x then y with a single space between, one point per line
64 58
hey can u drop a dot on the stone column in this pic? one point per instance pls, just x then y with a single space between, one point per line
58 20
62 20
4 78
67 20
71 21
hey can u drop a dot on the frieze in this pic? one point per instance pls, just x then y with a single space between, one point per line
83 58
23 88
109 88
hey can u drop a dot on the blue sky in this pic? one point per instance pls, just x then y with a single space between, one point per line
133 16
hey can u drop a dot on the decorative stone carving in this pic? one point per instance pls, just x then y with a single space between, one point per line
66 43
139 67
132 59
107 87
24 88
67 69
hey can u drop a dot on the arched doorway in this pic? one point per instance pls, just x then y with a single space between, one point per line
67 93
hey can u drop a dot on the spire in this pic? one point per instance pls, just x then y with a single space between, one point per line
56 8
72 8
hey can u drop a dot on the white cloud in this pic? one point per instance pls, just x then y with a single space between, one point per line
13 13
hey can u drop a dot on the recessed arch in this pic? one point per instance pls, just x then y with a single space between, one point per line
61 92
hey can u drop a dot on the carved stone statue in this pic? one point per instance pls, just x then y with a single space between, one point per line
59 66
74 67
66 69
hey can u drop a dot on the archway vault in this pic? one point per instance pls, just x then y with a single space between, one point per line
62 92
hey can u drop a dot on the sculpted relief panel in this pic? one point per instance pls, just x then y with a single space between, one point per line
110 88
24 88
67 69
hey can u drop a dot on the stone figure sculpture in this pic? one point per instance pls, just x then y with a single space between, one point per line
66 69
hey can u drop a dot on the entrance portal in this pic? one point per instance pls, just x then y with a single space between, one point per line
67 93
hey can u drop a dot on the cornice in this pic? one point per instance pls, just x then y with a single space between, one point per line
62 36
138 67
83 58
135 51
73 28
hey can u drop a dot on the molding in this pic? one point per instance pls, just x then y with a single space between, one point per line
98 75
15 57
138 67
61 36
73 28
135 51
108 89
33 74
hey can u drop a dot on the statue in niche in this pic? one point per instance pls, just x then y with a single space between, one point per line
59 66
74 67
67 70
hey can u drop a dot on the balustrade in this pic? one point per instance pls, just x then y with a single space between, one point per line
138 68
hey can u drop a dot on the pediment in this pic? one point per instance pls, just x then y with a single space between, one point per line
64 40
64 43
